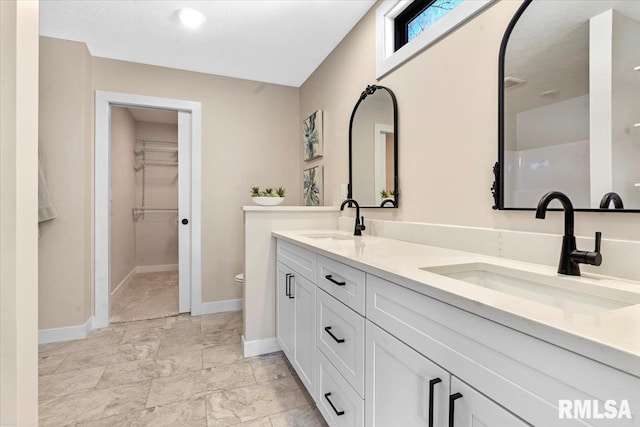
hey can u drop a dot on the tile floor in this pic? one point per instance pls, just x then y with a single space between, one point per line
147 296
175 371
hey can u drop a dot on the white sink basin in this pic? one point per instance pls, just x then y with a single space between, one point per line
327 236
565 293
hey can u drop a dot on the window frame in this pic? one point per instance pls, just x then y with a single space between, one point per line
404 18
388 58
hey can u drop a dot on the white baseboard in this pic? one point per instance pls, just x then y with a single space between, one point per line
66 333
126 280
221 306
156 268
258 347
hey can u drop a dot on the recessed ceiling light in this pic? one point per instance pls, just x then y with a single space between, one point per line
190 17
510 82
550 93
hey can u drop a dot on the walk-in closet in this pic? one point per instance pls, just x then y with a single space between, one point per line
144 214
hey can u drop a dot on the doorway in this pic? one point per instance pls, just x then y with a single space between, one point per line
186 216
144 214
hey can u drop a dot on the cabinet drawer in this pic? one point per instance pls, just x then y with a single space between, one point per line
340 336
300 260
339 404
345 283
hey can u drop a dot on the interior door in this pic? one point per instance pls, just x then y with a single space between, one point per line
184 211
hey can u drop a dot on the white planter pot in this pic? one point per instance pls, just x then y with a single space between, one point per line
267 201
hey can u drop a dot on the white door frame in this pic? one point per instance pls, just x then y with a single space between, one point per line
380 133
102 223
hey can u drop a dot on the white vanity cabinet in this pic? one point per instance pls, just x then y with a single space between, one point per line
386 355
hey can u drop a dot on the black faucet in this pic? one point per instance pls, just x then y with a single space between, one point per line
570 257
611 197
359 223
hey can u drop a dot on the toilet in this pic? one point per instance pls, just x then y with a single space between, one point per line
239 279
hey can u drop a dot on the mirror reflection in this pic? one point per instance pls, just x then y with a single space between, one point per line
571 118
373 149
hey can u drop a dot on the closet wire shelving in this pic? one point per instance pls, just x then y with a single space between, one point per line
144 146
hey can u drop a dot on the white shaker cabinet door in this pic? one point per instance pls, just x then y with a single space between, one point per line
285 307
304 359
469 408
403 388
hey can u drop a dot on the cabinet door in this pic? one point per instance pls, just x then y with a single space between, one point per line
285 307
472 409
304 294
400 383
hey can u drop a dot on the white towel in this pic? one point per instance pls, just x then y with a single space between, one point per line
46 211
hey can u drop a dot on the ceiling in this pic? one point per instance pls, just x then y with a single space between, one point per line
549 48
154 115
273 41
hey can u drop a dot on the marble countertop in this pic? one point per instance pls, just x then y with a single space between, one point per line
611 337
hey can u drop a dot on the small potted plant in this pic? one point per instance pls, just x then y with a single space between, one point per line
268 197
386 195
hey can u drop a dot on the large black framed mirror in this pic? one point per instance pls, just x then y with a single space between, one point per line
373 149
569 105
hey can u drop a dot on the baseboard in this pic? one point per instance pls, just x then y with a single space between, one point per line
221 306
156 268
258 347
126 280
66 333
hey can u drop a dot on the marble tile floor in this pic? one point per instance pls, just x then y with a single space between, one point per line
146 296
175 371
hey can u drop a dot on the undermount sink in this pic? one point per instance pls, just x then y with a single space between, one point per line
564 293
327 236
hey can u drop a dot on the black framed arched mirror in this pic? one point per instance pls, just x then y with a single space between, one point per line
569 105
373 149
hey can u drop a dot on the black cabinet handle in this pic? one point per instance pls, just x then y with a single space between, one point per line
338 413
328 330
286 285
290 294
452 399
185 221
432 383
330 278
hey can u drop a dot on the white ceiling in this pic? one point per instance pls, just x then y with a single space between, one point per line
549 48
153 115
274 41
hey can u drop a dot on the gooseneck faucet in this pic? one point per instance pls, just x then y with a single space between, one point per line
359 227
611 197
570 257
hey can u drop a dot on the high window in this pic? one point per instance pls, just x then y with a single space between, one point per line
418 16
404 28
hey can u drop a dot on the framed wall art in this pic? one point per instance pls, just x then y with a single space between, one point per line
313 190
312 143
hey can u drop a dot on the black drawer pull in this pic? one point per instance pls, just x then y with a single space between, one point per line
290 294
328 330
330 278
286 285
432 383
452 399
338 413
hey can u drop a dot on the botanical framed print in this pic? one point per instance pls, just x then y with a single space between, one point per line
312 143
313 187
